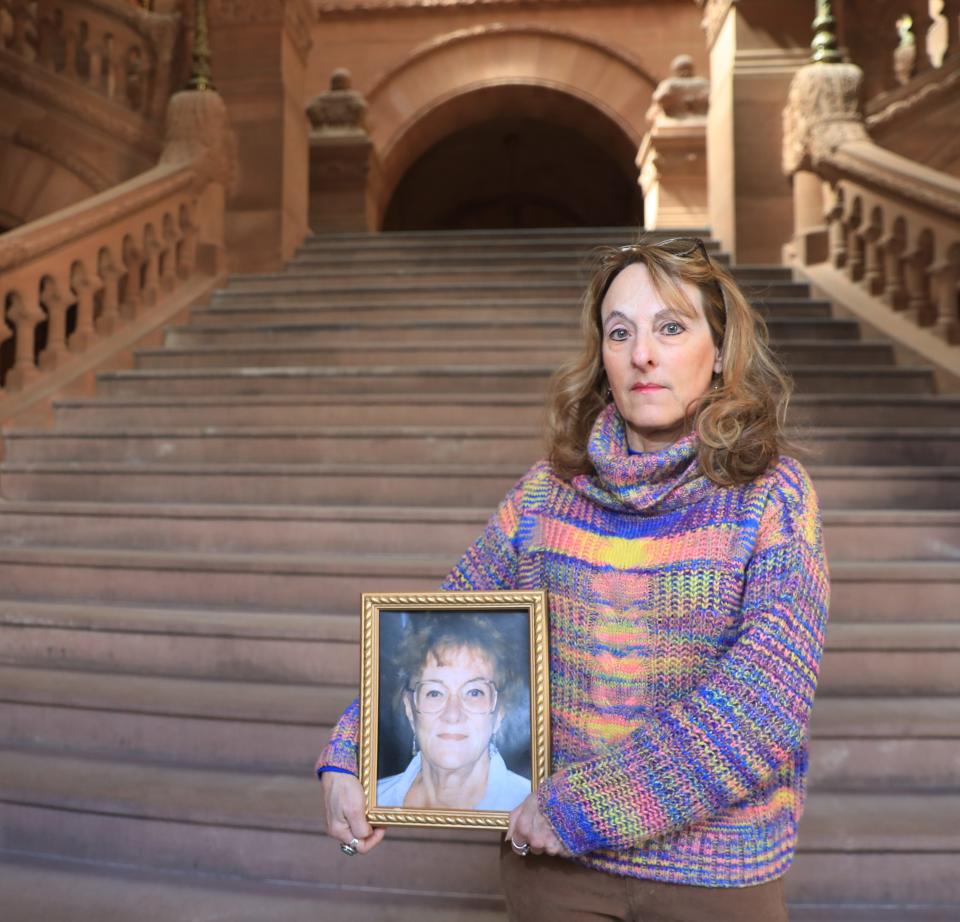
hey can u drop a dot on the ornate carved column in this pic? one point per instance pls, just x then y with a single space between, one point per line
823 110
673 154
340 152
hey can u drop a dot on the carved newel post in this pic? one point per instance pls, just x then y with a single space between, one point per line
340 152
823 111
673 154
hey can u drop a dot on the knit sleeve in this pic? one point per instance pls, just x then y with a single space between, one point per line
340 753
693 758
490 563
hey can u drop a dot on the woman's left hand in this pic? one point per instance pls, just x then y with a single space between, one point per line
528 825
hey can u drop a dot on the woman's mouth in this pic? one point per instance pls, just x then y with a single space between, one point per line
452 736
647 388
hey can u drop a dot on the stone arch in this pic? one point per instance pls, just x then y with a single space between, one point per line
440 87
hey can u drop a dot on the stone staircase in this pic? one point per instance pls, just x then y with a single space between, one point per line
181 560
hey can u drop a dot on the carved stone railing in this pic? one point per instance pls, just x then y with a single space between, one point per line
890 226
893 41
120 51
74 279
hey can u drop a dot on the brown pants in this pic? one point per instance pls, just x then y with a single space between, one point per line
539 888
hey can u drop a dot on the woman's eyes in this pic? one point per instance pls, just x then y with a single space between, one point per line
433 693
670 328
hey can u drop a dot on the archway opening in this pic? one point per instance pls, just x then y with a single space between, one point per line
516 157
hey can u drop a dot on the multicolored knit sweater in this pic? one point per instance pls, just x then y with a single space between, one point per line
686 629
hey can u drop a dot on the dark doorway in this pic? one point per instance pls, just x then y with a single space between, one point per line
516 172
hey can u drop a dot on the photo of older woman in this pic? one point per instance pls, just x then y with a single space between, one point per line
455 677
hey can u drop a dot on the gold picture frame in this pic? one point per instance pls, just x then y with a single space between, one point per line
390 718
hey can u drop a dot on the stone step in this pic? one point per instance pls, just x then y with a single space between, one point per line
266 646
481 259
198 721
280 726
447 409
267 309
849 534
284 646
489 352
376 483
392 291
877 658
490 379
899 742
64 891
865 591
853 846
463 331
564 267
33 889
520 445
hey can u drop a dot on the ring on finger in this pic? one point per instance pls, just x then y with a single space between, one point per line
521 848
350 848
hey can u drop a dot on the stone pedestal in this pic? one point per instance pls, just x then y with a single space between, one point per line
339 171
673 175
755 49
673 155
259 60
341 154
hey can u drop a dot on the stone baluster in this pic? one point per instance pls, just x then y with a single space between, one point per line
951 10
168 258
855 241
132 282
21 25
25 315
84 291
56 304
835 231
108 67
892 246
82 60
873 276
70 43
187 250
945 285
151 266
915 263
107 319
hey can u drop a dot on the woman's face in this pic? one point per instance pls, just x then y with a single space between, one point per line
454 736
658 361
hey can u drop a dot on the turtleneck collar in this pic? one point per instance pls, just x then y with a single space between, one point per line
646 483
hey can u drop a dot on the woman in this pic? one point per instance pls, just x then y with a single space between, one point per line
456 684
688 589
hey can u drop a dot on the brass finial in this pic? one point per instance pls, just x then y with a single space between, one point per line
201 77
824 44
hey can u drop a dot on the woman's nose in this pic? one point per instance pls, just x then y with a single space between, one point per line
643 353
453 709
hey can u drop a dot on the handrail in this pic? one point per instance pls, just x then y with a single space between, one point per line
892 225
77 276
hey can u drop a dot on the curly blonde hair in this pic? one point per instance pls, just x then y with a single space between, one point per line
739 422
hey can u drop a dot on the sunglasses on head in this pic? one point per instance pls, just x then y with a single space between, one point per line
681 248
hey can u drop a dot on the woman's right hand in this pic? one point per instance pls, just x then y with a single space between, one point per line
346 817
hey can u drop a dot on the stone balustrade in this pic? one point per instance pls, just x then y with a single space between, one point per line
73 279
894 40
888 225
896 232
116 49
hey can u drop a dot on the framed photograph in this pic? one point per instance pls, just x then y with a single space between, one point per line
454 706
